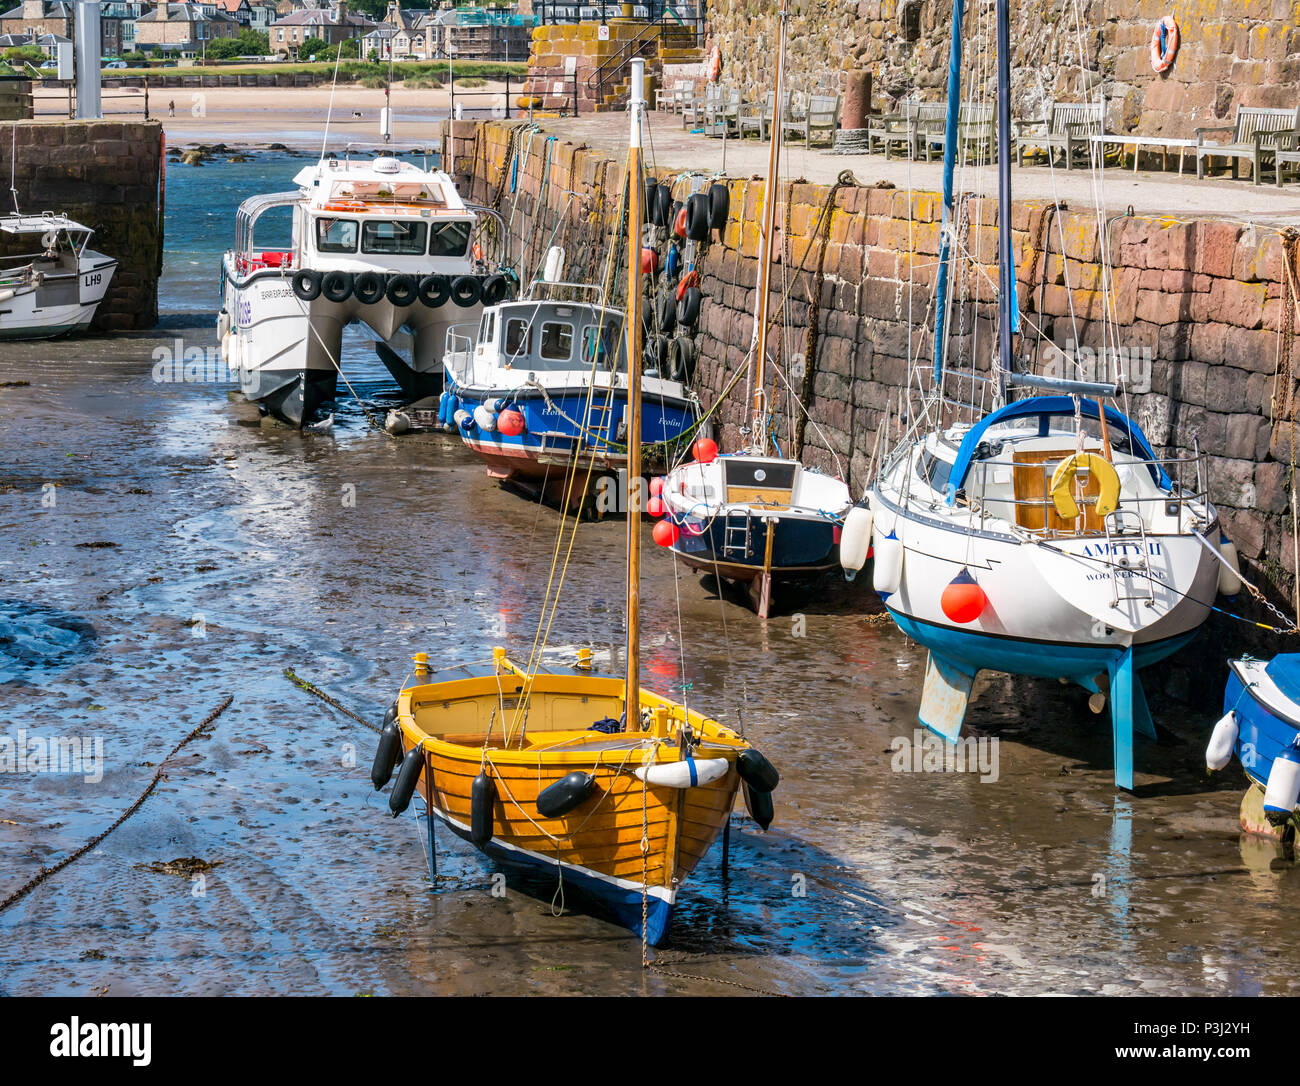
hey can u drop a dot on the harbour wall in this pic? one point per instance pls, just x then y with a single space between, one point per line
106 175
1196 317
1232 52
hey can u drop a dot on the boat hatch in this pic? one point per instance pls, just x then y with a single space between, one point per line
759 481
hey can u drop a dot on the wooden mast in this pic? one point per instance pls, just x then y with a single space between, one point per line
767 242
632 326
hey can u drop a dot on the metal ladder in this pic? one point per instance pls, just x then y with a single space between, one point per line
1141 566
598 419
735 538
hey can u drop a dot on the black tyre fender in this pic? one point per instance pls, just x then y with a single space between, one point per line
719 206
663 215
434 290
688 309
651 200
402 290
336 286
368 287
697 217
467 291
656 352
496 289
306 285
681 359
667 314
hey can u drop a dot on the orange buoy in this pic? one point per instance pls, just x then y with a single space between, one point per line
963 600
649 261
705 450
510 423
666 533
679 224
1164 43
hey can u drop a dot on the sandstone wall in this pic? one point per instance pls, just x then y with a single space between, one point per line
1234 52
104 174
1196 309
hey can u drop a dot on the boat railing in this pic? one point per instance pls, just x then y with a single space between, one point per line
490 240
1030 497
542 290
459 350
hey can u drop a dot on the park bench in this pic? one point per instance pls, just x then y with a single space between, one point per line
1252 136
1068 127
976 133
821 116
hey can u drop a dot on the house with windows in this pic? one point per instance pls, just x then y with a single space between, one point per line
466 33
331 25
125 13
262 13
36 18
239 10
182 28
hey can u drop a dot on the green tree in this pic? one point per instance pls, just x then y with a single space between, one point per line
312 47
351 47
254 43
374 8
26 54
223 49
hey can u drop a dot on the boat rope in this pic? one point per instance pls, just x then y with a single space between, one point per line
316 692
45 872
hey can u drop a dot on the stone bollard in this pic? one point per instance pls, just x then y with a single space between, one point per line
857 100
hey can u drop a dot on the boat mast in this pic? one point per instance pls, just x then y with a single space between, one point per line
632 326
758 422
1006 270
949 166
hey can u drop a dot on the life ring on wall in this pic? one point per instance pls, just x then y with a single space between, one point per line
1099 467
714 69
1164 43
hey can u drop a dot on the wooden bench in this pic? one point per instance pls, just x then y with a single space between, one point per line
821 116
883 126
1286 154
1252 135
1163 144
1068 126
756 119
977 131
676 98
696 109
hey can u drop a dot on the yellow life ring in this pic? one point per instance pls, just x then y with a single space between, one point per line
1063 479
1164 43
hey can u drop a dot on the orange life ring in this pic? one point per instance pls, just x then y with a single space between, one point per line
1164 43
715 65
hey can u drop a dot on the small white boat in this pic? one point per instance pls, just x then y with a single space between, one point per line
378 241
56 289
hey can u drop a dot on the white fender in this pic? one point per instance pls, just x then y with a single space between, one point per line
1229 570
484 418
688 773
225 348
397 422
1218 752
1283 789
459 417
223 324
5 295
553 270
855 539
887 572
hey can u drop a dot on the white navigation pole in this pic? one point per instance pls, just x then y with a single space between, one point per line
87 53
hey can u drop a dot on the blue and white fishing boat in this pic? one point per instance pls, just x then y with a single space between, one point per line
538 388
1261 726
1044 537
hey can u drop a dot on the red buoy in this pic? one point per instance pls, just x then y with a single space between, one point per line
705 450
963 600
679 227
657 485
655 506
665 533
510 423
649 261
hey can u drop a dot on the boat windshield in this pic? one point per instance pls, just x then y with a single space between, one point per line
555 337
396 238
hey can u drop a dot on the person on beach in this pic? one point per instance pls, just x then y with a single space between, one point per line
171 108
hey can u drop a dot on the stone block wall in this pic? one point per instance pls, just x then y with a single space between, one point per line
1197 322
1233 52
106 175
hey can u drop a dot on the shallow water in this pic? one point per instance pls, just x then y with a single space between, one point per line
239 551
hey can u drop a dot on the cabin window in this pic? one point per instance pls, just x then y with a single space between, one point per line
519 336
557 341
449 239
336 235
395 238
598 344
935 470
489 327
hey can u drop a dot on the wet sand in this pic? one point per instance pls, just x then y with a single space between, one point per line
238 552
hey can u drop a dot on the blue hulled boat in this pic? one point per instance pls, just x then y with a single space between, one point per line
538 388
1261 726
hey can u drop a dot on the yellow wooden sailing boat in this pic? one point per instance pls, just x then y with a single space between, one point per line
563 769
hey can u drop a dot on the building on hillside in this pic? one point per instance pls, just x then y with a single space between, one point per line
466 33
330 25
125 12
182 28
239 10
262 13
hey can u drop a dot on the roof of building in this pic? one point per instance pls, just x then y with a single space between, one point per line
59 9
320 17
184 13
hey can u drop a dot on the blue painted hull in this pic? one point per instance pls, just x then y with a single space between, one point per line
1261 732
977 651
551 435
800 548
619 903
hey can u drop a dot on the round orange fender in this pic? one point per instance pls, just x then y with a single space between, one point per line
1063 478
1164 43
